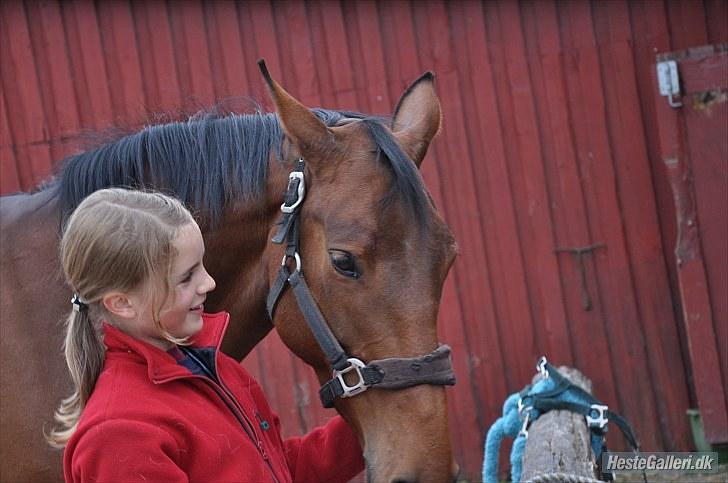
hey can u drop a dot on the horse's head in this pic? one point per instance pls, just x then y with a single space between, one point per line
375 254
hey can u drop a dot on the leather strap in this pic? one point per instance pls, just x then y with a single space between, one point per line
399 373
545 405
320 329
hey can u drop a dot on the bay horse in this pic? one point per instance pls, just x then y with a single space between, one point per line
373 247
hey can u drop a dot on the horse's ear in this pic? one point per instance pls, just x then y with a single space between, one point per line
417 117
298 122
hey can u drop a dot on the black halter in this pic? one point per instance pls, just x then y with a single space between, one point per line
391 373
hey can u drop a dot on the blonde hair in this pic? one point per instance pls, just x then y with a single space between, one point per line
116 239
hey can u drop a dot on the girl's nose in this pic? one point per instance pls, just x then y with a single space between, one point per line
208 284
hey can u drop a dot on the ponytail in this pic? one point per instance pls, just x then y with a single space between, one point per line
85 358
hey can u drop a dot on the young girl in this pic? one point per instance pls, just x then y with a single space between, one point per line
155 399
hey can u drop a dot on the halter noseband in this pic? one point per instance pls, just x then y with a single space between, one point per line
392 373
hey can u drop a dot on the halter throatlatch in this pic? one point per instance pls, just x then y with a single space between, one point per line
392 373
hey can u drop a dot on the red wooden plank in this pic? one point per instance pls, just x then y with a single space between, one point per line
9 181
323 65
87 64
147 62
618 306
118 37
302 53
226 50
716 13
537 236
49 42
6 138
196 42
643 234
22 90
260 41
284 39
156 56
398 30
374 77
335 32
687 23
543 44
590 328
192 55
489 166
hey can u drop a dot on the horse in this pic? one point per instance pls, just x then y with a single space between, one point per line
374 250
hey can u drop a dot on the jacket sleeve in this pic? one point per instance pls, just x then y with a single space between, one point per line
328 454
122 450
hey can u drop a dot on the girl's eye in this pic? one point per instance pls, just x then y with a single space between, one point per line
187 278
344 263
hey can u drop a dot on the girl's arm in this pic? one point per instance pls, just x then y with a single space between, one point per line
328 454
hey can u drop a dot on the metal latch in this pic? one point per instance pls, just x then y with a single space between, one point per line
669 81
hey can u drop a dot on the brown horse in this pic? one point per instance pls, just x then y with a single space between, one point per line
374 251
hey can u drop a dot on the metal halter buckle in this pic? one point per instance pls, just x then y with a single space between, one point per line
360 386
295 175
524 413
597 416
526 419
541 367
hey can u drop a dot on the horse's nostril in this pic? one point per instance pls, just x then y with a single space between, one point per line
403 480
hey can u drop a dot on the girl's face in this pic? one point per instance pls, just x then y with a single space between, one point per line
181 314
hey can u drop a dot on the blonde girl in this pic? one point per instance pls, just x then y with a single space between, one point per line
155 399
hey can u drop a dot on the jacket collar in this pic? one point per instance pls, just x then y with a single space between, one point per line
162 366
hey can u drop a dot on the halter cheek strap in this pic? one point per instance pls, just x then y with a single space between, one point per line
391 373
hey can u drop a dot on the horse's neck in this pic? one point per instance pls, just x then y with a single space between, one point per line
32 285
235 258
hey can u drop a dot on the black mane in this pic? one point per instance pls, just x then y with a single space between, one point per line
211 160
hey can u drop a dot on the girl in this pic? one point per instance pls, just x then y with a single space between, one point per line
155 399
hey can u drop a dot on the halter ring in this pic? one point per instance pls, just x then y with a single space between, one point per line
296 257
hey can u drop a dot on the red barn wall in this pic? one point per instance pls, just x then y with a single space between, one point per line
549 141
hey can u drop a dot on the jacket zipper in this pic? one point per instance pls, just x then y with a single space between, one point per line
214 381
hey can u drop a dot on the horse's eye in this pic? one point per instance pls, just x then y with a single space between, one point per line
344 263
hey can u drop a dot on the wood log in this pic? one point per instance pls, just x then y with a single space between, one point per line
559 442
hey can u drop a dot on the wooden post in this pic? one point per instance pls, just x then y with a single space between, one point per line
559 442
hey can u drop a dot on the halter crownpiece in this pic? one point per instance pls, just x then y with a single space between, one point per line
434 368
78 304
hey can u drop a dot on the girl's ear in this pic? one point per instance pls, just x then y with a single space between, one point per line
120 305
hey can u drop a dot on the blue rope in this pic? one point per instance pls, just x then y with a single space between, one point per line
510 425
507 425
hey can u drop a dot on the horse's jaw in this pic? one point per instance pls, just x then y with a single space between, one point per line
235 259
404 434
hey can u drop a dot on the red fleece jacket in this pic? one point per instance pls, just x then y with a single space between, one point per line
151 419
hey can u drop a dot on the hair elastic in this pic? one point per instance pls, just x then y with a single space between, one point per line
78 305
